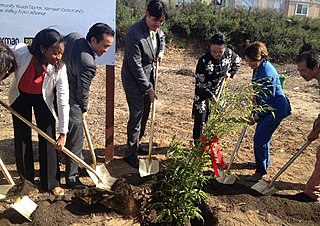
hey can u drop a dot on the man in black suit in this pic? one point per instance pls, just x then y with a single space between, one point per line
79 57
144 45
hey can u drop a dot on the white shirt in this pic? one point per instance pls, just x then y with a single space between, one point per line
52 79
153 36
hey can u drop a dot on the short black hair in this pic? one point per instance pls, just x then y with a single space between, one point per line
311 57
157 9
98 30
218 39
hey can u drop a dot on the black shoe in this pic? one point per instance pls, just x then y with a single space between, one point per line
132 160
82 172
142 151
254 178
76 184
302 197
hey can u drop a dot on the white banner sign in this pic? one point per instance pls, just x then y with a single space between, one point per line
22 19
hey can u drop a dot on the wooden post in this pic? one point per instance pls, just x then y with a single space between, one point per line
109 152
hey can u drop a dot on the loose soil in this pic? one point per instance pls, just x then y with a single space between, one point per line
234 204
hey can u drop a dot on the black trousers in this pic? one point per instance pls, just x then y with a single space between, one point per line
48 156
200 118
139 108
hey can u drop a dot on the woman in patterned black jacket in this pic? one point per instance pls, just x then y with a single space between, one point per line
212 67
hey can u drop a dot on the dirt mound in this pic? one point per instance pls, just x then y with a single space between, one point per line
23 188
242 201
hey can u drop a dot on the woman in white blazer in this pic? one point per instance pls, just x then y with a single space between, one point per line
40 72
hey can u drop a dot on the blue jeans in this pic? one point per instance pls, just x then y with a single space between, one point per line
264 130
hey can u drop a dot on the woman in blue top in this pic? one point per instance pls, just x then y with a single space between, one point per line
268 94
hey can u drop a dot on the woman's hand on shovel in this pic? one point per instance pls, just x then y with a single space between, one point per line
61 141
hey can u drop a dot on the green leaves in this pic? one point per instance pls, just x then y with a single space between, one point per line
180 193
178 189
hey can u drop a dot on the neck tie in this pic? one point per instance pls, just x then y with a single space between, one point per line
154 41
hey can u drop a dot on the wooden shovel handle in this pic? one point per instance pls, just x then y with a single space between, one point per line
153 111
6 173
86 131
51 140
296 155
236 148
221 89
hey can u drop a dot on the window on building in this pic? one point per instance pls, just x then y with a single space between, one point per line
302 9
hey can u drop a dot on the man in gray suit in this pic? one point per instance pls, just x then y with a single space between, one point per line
144 45
79 57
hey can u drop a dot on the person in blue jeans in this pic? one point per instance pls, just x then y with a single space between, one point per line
268 94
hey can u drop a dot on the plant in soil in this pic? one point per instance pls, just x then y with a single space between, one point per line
178 193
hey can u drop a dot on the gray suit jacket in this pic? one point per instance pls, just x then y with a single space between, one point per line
81 68
139 58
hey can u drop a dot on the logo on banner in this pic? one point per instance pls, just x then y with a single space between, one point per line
28 40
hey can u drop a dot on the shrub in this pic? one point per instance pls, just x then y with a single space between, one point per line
197 22
178 193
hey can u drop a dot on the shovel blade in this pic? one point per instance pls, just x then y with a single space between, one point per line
106 181
148 167
230 178
226 178
264 188
25 206
222 176
4 190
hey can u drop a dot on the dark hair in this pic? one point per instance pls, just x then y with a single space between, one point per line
218 39
157 9
8 63
256 51
98 30
311 58
45 38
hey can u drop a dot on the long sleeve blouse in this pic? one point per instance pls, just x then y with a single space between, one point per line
268 90
210 72
52 79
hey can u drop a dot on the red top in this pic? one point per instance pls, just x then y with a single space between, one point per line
30 82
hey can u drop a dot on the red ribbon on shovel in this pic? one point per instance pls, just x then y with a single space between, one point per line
212 147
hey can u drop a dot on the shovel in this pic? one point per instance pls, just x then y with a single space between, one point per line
25 206
266 188
86 131
101 169
101 181
221 89
225 176
5 188
149 166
